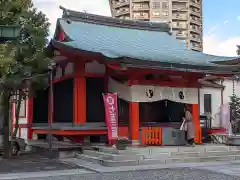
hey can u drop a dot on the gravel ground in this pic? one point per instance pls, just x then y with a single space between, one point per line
164 174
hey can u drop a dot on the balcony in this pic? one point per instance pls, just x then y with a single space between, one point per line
197 47
124 17
195 4
195 29
144 7
180 1
140 0
196 21
141 17
180 17
122 11
179 26
121 3
195 38
179 8
196 13
181 35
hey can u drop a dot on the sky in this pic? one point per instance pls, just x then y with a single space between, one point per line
221 20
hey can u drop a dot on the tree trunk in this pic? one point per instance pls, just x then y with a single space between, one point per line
17 111
6 128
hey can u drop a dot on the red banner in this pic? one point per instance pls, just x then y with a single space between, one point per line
111 114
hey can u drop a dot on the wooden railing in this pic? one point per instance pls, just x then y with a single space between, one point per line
151 136
148 135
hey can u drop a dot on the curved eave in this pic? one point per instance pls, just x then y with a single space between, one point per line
234 61
137 63
114 22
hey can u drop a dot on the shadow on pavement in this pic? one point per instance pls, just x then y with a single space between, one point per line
32 163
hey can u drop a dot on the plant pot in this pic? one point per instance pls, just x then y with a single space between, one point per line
122 143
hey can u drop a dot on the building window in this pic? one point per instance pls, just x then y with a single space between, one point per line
165 13
156 13
207 103
165 5
156 5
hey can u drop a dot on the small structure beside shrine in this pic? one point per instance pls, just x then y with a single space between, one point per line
153 74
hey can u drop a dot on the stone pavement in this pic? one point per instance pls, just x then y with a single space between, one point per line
232 168
163 174
44 174
35 167
32 163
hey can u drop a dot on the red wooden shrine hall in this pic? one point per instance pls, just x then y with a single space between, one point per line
154 79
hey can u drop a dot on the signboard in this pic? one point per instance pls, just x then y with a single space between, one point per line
111 115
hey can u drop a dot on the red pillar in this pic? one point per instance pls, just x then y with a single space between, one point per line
134 122
196 122
79 97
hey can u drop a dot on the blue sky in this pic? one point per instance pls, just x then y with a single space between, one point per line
221 26
221 20
221 17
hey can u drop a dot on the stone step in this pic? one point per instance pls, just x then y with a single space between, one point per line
114 157
162 160
110 163
96 153
192 154
202 159
189 159
112 150
208 153
169 155
167 149
92 159
222 153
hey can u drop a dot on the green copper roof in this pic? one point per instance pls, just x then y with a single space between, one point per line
117 42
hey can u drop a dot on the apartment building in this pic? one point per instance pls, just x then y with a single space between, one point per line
185 16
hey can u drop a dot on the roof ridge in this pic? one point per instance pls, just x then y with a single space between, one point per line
114 22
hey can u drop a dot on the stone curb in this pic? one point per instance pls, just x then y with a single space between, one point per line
43 174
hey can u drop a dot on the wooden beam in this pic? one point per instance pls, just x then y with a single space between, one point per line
71 132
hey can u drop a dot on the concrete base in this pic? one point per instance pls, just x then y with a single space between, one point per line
59 149
135 142
233 140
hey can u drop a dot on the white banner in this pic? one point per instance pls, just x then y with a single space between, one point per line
225 117
143 93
